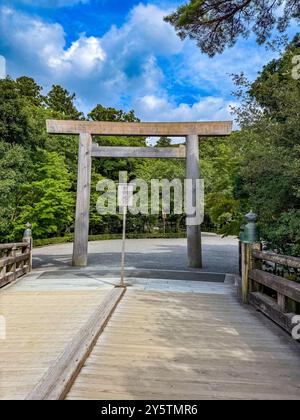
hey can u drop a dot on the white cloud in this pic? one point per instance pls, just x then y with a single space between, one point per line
111 70
40 47
146 32
215 73
123 69
30 38
133 50
84 56
163 109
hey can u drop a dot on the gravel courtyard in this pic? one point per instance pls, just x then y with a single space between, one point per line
220 255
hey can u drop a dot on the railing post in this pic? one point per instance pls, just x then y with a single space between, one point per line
3 272
281 301
11 254
27 237
249 238
14 266
245 271
255 264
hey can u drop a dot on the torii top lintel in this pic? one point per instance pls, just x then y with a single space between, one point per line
173 129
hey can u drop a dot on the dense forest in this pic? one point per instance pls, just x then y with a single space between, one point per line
257 167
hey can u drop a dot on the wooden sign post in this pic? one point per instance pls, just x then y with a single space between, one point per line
125 200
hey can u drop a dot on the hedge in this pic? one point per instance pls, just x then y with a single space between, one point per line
108 236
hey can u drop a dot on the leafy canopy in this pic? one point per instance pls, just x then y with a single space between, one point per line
270 170
61 101
216 24
100 113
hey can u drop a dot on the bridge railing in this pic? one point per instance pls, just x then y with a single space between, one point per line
15 259
276 296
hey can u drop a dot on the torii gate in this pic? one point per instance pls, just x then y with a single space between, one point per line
87 149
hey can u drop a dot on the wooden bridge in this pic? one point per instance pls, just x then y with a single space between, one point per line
77 336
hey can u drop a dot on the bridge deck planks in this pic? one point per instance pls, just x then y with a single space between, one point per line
39 326
158 343
161 345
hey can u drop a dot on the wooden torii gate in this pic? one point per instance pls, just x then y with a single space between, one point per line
87 149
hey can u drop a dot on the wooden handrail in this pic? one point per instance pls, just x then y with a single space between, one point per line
17 245
281 285
15 261
293 262
273 295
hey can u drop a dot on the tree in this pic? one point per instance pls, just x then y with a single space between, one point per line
160 169
215 24
111 167
278 94
221 160
270 170
30 90
14 122
23 114
100 113
164 142
46 201
61 101
14 166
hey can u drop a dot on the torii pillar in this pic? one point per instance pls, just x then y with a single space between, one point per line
87 150
194 243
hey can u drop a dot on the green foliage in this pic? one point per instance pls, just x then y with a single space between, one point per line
14 124
284 233
258 166
270 170
61 101
45 199
13 168
221 161
110 168
30 90
217 24
53 241
162 169
108 237
164 142
100 113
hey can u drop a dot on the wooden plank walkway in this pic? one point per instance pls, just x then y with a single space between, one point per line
41 320
166 340
177 345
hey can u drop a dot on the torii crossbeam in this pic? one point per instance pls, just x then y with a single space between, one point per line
86 129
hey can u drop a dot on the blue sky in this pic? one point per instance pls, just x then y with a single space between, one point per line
122 54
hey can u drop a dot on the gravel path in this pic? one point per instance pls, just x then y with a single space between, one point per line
220 255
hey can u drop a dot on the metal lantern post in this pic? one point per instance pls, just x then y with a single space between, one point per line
249 238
